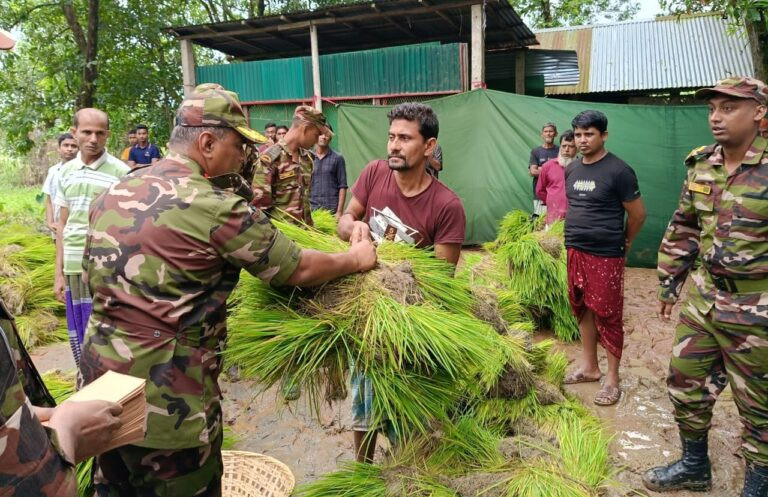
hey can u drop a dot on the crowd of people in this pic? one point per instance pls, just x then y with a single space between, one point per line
149 248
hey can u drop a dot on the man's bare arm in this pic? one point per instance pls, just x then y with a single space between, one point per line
350 227
58 282
448 251
635 219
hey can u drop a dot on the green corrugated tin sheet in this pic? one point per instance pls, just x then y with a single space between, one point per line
424 68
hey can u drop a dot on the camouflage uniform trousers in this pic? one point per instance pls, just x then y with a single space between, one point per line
706 356
132 471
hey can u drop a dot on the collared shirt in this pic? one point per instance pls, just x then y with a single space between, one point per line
50 184
165 250
78 184
143 156
722 219
329 176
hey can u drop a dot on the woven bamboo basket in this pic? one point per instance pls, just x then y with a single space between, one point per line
247 474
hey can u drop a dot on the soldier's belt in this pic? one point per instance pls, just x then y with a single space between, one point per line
725 284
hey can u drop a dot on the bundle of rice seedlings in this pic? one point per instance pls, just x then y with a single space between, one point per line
27 269
511 227
538 277
324 221
354 480
407 325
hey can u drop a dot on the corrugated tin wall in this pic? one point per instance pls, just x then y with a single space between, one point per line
425 68
662 53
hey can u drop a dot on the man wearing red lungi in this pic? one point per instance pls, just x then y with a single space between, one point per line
600 188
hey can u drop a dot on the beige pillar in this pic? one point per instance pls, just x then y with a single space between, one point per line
478 46
187 66
315 68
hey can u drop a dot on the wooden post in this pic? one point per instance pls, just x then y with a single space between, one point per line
187 66
520 72
315 68
478 45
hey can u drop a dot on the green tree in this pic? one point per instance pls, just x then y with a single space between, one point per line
753 14
554 13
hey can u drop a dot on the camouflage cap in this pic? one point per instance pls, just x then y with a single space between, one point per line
6 40
737 87
313 116
211 105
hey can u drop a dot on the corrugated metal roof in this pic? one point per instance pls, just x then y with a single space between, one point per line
359 26
665 53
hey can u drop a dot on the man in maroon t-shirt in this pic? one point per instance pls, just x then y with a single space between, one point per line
396 199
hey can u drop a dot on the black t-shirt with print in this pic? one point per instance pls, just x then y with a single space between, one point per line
594 222
539 156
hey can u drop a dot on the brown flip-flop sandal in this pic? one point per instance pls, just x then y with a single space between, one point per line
607 396
578 377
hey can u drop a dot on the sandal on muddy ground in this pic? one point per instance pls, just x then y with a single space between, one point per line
578 377
607 396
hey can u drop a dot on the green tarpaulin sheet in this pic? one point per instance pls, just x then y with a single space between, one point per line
487 136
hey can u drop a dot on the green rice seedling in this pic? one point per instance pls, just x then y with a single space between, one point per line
60 385
84 480
544 478
554 369
324 221
310 238
512 226
584 450
40 327
230 438
354 480
465 445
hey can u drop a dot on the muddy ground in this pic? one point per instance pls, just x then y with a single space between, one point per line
645 434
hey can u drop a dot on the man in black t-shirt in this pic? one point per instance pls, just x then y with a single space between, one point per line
539 155
600 188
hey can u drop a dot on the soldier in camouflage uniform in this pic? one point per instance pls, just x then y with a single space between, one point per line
722 336
283 172
165 248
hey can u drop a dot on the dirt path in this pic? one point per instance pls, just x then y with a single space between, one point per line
645 434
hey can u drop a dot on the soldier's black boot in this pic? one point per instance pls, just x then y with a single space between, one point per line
690 472
755 481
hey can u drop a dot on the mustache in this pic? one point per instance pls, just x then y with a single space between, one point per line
396 156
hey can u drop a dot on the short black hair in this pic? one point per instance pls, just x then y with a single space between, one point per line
590 119
142 126
423 114
132 131
282 126
270 125
549 125
65 136
567 136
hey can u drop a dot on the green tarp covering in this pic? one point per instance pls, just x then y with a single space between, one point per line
487 137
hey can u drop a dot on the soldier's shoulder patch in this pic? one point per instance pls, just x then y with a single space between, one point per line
271 154
698 154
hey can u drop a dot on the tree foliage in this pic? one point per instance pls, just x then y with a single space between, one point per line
555 13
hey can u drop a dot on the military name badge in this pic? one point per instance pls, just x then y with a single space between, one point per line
699 188
287 174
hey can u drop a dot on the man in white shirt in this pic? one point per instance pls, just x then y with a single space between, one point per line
67 151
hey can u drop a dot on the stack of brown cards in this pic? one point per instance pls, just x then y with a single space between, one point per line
128 391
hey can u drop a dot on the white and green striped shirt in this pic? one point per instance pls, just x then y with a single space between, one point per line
78 186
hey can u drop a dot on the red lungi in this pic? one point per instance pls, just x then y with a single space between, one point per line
597 283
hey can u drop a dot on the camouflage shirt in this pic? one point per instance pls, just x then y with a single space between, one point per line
165 248
281 183
30 460
723 220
